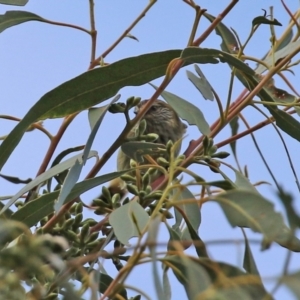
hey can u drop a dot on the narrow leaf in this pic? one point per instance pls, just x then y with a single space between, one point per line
32 212
89 89
14 2
201 83
151 241
278 55
15 17
45 176
249 262
187 111
264 20
229 42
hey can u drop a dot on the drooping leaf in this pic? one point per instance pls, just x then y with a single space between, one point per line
128 221
96 118
89 89
15 17
229 42
187 111
201 83
32 212
249 262
278 55
264 20
44 177
61 176
70 181
74 173
14 2
249 209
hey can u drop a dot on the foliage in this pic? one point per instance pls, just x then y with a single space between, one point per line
49 247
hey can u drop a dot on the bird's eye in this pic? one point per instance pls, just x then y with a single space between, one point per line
153 108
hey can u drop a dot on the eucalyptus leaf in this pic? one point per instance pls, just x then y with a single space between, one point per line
32 212
45 176
187 111
128 221
278 55
263 20
249 262
89 89
152 241
15 17
229 42
244 208
201 83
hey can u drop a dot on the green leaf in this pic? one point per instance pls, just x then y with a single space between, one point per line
263 20
197 55
201 83
186 111
44 177
76 169
190 274
286 122
287 200
61 177
166 285
89 89
229 42
279 54
152 241
249 262
15 17
191 209
14 179
242 182
249 209
32 212
14 2
128 221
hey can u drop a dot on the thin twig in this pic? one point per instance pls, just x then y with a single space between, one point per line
96 61
93 30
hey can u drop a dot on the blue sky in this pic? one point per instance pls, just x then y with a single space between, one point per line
36 57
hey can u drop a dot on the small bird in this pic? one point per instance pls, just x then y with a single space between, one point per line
162 120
